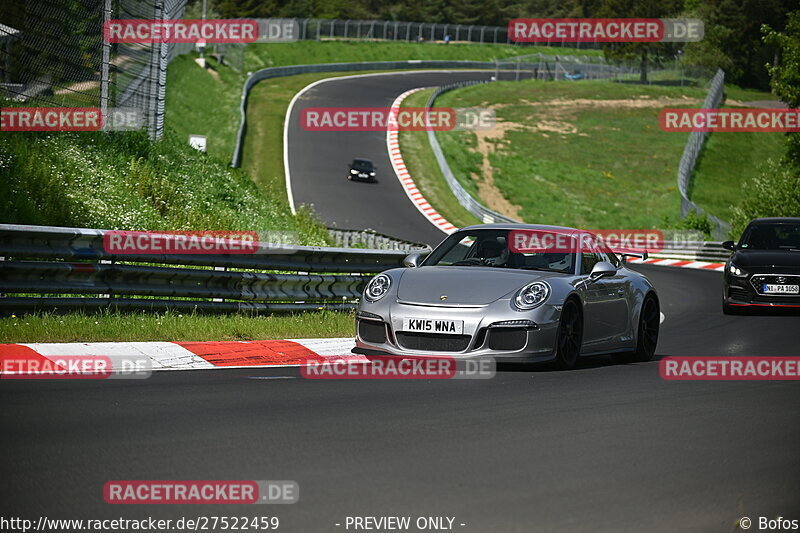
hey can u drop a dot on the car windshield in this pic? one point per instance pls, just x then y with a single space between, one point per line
362 164
489 248
771 236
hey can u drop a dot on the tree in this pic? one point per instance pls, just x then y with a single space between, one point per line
785 74
644 53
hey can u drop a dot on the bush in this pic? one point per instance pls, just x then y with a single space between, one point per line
774 192
696 221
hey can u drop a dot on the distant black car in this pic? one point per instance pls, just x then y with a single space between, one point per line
764 270
361 169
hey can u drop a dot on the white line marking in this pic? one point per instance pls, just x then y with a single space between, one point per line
288 116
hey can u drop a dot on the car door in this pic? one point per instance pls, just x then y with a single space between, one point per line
605 309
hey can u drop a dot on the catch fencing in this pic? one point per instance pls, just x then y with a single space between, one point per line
386 30
53 54
691 152
52 268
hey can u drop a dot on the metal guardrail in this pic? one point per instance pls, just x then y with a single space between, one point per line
49 261
347 238
691 151
464 198
712 252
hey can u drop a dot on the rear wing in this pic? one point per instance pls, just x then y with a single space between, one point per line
627 252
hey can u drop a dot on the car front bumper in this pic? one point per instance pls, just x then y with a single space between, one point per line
741 292
484 334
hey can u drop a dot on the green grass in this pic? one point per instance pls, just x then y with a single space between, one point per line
125 181
309 52
727 161
172 326
424 169
201 104
594 167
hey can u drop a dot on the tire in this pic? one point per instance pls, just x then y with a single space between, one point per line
647 334
569 337
649 325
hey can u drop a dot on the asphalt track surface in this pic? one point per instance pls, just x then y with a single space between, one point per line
318 161
603 448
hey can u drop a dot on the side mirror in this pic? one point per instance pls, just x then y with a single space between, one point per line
603 269
411 261
729 245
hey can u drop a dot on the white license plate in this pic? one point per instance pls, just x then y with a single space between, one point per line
781 289
429 325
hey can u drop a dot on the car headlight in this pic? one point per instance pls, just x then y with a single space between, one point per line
532 295
353 171
377 287
372 173
736 271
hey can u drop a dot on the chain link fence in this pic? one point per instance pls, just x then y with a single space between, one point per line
388 30
53 54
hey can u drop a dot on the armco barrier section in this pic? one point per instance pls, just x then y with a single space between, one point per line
348 238
694 145
53 262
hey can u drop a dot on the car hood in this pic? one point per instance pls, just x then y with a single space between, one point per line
767 260
462 285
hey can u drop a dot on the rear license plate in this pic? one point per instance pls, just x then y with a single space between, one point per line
781 289
429 325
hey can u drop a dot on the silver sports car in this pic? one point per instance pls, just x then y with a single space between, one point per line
480 293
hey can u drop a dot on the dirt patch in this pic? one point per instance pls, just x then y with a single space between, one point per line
487 189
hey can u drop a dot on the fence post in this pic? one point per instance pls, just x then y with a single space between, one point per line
105 73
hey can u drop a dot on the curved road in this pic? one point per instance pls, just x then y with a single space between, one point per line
318 161
603 448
